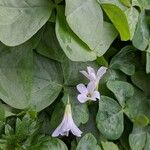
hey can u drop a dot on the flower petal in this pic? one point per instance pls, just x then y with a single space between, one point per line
101 71
90 70
96 95
64 127
67 124
92 77
58 130
91 87
85 74
82 88
82 98
76 131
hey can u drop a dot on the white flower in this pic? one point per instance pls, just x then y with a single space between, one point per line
93 76
87 93
67 124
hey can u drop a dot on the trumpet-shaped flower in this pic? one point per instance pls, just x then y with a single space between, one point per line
87 93
93 76
67 124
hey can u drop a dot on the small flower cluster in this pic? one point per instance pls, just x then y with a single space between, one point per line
89 92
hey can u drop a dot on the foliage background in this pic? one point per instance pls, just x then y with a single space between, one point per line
44 45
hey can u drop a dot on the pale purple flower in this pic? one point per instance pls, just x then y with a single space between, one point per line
87 93
93 76
67 124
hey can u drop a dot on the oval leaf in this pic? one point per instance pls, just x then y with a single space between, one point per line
73 47
88 142
48 143
118 18
110 118
124 60
49 45
80 15
144 3
132 16
20 20
138 138
122 90
28 80
141 37
109 146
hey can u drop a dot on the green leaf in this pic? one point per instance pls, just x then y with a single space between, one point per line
124 139
91 126
52 18
73 47
25 128
126 2
47 82
141 37
110 118
57 116
147 145
44 117
9 130
138 105
109 146
27 80
102 61
141 121
71 71
135 3
2 113
109 34
49 45
73 145
144 3
110 75
8 141
122 90
8 111
118 18
148 60
16 73
2 118
88 142
98 35
114 2
79 15
124 60
47 143
132 16
20 20
142 81
139 139
15 137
